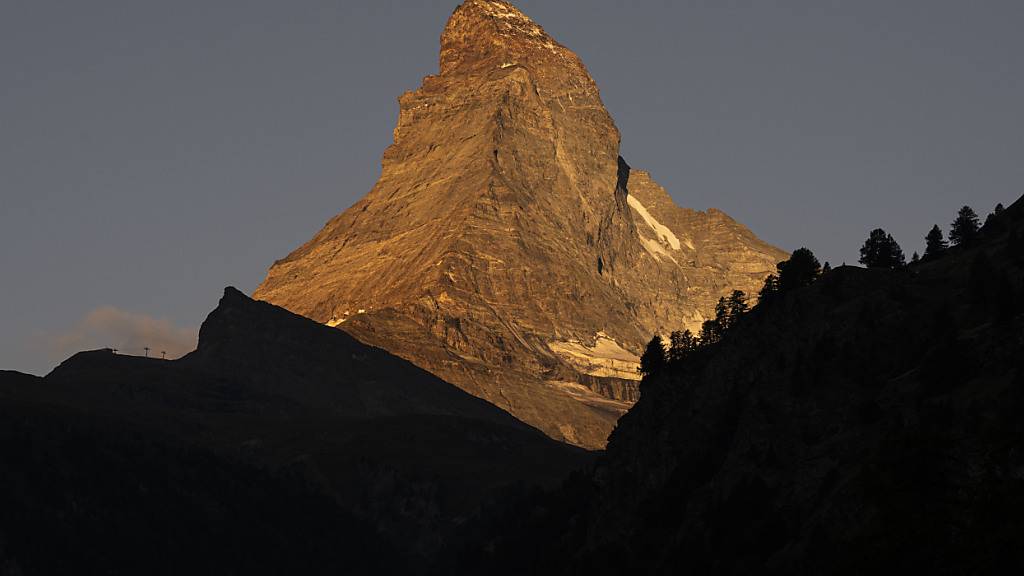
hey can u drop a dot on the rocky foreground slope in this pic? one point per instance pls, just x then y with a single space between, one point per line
867 424
278 446
507 248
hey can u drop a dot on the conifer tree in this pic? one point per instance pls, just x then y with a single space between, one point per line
800 270
915 258
880 250
993 223
728 311
710 332
653 360
683 345
722 314
935 244
965 227
738 306
769 290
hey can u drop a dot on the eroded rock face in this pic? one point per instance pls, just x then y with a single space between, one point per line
507 247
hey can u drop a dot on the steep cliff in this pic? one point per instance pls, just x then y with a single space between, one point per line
507 247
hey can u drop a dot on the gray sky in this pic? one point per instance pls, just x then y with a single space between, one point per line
153 152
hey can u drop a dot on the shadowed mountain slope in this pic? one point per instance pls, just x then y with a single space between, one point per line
507 247
273 422
869 423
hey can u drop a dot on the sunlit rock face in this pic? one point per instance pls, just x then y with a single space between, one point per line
507 247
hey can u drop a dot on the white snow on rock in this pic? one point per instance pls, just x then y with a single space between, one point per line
663 232
605 358
656 249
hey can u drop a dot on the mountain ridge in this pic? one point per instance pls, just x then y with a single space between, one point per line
384 448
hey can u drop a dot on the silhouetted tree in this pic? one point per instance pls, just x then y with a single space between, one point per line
653 360
722 313
738 306
915 258
880 250
683 345
727 312
710 332
826 268
935 244
800 270
769 290
993 224
965 227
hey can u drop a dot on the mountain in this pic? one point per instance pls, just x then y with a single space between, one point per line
868 423
279 445
507 247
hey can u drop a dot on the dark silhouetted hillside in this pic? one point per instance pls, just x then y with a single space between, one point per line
278 446
868 423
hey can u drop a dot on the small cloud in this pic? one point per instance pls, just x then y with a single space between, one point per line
129 332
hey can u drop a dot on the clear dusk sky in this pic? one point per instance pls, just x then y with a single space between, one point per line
152 153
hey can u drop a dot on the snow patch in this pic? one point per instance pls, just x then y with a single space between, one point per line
663 232
605 358
335 321
656 249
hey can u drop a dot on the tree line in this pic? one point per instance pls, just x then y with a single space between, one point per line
802 269
880 250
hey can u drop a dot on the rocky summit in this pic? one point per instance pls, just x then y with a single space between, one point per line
507 247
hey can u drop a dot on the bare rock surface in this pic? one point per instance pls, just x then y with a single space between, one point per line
507 247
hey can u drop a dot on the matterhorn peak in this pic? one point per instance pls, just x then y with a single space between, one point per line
483 34
500 250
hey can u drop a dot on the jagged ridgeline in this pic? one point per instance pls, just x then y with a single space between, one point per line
508 248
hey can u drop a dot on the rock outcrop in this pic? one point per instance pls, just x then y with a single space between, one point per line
507 247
